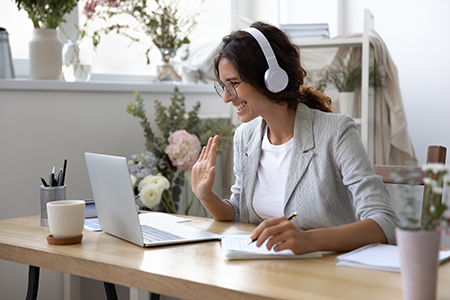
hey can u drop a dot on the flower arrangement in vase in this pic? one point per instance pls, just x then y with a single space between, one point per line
77 52
419 234
165 26
173 153
45 46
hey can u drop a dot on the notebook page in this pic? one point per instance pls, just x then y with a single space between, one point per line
239 243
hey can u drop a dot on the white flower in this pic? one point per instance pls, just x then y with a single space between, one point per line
160 182
437 189
150 195
435 168
133 180
427 180
144 181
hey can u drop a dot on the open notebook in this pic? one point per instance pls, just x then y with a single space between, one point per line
378 257
236 247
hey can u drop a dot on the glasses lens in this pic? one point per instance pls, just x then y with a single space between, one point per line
230 88
219 89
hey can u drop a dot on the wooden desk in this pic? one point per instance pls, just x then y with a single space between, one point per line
197 270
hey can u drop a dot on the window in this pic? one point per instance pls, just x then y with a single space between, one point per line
117 55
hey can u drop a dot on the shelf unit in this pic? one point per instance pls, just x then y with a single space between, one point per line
367 105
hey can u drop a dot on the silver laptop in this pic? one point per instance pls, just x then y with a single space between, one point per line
117 212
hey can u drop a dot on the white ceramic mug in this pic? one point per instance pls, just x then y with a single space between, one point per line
66 218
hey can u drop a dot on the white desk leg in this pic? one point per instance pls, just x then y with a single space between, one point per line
71 287
139 295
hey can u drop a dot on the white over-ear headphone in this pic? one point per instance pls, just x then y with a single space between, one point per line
276 78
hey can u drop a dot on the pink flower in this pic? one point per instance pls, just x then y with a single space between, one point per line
183 149
91 5
89 8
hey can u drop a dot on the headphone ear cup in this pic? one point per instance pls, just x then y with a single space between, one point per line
276 80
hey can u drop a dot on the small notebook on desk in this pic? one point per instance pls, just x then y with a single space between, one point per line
236 247
378 257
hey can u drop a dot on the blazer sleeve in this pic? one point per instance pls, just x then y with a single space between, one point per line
236 188
370 196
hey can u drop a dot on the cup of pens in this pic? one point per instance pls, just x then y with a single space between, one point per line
52 190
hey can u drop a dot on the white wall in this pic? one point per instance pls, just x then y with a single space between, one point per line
416 34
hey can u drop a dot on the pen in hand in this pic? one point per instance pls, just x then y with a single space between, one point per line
294 215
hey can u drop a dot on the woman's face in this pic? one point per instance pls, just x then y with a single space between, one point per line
249 103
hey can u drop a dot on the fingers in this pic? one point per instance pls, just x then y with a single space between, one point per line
278 232
210 149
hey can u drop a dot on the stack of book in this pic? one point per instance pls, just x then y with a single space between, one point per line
306 32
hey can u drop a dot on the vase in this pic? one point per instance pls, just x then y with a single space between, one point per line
77 61
419 252
166 71
346 100
45 54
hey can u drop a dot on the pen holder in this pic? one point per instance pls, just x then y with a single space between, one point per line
49 194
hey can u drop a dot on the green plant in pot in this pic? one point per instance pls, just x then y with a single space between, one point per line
347 78
45 46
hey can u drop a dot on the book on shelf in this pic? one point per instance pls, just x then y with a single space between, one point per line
304 26
309 38
237 247
378 257
304 32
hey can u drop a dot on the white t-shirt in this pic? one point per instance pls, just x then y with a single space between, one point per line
271 180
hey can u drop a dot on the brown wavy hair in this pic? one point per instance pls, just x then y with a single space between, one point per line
244 52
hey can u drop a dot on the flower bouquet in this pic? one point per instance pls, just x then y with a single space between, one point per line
175 150
435 201
418 237
160 20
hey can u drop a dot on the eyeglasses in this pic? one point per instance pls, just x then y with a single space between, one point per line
230 86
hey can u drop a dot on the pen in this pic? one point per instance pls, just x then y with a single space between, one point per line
43 181
63 175
52 178
58 181
294 215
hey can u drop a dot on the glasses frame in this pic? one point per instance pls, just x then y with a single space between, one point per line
230 86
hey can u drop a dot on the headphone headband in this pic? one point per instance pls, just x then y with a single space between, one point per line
275 77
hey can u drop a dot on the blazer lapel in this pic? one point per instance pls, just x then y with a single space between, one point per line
303 141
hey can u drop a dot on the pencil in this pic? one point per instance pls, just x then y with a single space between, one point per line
294 215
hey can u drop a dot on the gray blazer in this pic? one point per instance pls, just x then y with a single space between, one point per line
331 180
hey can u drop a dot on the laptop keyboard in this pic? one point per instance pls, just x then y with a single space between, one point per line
152 234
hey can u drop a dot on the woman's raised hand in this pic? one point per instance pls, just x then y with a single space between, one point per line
204 170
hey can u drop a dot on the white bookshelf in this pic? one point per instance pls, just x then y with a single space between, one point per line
366 121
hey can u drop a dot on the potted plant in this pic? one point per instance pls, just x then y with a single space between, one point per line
419 234
347 79
45 46
165 26
173 149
